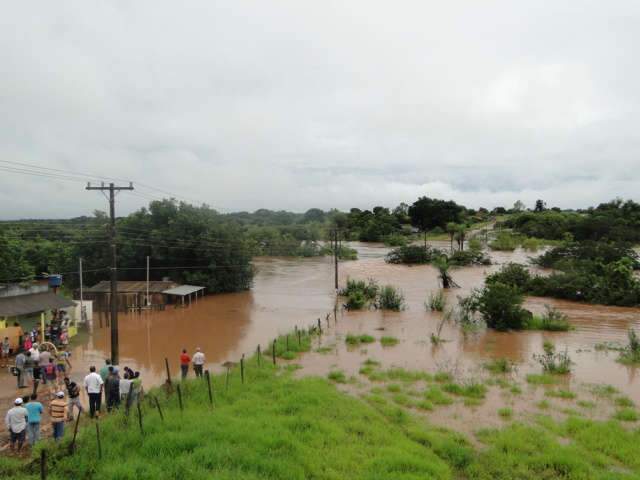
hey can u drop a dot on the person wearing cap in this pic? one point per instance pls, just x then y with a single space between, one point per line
16 423
34 411
198 362
58 413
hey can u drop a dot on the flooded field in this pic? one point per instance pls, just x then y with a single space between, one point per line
292 292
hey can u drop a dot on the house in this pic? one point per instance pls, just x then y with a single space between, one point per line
131 294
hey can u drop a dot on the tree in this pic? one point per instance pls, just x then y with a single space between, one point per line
14 266
501 308
452 228
461 235
518 206
541 206
427 213
314 215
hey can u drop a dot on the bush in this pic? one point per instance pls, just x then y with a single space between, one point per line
395 240
436 302
504 241
461 258
513 274
390 298
553 362
500 306
631 353
359 293
553 320
355 301
499 365
388 341
412 254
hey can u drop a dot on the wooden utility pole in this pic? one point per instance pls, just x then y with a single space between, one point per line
335 256
112 189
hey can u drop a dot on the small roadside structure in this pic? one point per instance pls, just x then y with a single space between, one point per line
185 291
132 295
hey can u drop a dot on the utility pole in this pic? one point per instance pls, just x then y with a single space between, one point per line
335 256
81 296
148 302
112 189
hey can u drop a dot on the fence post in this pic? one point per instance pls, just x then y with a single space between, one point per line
327 319
140 416
158 407
43 464
98 437
206 372
299 338
242 369
166 363
273 352
72 446
179 396
259 357
319 327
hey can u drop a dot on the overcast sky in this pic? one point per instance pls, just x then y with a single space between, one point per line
298 104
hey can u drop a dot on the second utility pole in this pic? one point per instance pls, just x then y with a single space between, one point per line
335 255
114 260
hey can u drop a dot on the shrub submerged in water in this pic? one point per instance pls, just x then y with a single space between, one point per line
553 362
390 298
631 353
412 254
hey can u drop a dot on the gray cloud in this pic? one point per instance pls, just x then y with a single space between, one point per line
291 104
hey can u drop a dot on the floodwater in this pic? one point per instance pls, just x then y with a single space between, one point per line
292 292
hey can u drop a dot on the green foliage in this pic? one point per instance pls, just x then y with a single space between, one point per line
627 415
337 376
471 389
541 379
505 413
461 258
561 393
359 293
500 306
14 265
552 361
387 341
630 355
411 255
353 340
427 213
531 244
552 320
436 302
395 240
475 245
499 365
390 298
512 274
504 241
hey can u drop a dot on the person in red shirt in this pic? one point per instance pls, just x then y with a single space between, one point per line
185 359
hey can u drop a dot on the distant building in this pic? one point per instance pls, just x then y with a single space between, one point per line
131 295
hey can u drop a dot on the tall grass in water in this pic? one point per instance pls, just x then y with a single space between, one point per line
436 302
630 355
390 298
553 362
552 320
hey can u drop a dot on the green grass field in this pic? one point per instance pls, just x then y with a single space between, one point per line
278 427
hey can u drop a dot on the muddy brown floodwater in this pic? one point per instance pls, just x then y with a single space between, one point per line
292 292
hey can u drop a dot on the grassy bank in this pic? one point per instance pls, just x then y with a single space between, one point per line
278 427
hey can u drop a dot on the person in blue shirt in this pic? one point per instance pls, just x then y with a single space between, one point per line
34 413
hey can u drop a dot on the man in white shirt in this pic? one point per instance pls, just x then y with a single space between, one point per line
198 362
93 384
16 422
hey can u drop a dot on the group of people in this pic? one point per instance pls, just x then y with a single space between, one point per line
23 419
198 361
35 365
114 387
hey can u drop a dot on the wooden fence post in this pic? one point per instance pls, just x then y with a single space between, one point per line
206 373
43 464
98 437
273 352
140 416
72 446
166 363
179 396
158 407
319 327
259 357
242 368
299 338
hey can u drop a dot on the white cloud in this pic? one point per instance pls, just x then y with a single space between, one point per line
294 104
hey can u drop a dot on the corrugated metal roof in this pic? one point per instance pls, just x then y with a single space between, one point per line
132 287
183 290
34 303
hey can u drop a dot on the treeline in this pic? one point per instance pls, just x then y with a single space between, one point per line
188 244
615 221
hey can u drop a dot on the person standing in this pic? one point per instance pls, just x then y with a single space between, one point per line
185 359
73 392
62 363
27 343
112 389
104 373
93 384
125 387
34 412
198 362
29 364
58 414
20 360
4 351
16 423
